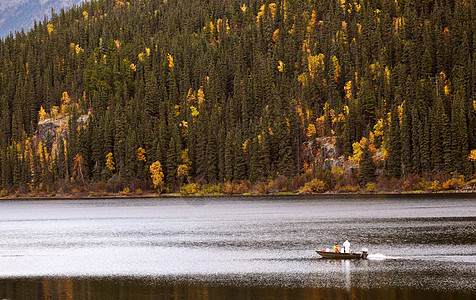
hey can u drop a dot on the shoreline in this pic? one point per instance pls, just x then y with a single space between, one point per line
463 193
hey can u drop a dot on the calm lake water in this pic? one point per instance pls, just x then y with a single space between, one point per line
420 247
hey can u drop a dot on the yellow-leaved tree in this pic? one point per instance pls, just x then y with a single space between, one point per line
200 96
472 155
280 66
43 115
170 58
315 63
65 103
348 90
141 154
110 161
49 27
157 175
337 67
311 130
184 168
78 167
358 150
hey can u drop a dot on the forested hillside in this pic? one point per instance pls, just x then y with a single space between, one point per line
235 95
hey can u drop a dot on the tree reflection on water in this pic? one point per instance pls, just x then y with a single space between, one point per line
131 288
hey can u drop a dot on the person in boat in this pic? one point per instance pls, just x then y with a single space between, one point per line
346 245
336 248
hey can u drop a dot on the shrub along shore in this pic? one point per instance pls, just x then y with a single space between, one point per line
279 186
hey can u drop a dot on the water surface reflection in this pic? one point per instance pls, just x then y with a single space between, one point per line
238 248
71 288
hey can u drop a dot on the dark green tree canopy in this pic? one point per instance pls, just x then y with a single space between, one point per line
247 89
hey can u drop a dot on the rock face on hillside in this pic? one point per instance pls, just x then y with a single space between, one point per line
330 158
18 14
328 153
50 131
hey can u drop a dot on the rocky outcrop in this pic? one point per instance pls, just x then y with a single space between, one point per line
49 131
328 153
330 158
328 147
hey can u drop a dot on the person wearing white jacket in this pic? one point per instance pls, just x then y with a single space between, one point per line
346 245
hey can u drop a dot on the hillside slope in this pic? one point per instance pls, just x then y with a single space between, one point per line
242 92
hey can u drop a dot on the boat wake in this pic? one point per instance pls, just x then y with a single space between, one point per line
447 258
380 256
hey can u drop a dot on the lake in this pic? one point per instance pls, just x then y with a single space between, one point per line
420 247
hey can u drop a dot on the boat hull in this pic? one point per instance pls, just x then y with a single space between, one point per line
338 255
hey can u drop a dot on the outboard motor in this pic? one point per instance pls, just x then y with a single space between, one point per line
365 253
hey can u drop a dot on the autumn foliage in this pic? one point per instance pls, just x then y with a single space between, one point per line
259 97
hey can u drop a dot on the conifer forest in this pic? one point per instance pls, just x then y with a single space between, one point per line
235 96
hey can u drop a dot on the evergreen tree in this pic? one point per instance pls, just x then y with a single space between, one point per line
211 156
130 158
367 167
229 162
119 138
425 158
406 140
459 128
394 163
240 170
256 162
